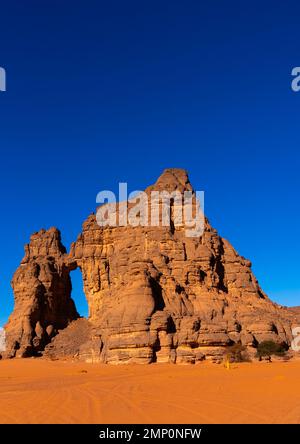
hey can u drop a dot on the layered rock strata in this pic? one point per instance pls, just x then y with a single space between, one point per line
154 294
42 291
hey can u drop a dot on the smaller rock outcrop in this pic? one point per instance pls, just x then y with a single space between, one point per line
42 289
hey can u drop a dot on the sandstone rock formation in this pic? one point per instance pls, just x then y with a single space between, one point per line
293 313
42 290
154 294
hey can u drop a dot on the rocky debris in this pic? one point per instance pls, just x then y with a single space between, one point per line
42 291
67 343
154 294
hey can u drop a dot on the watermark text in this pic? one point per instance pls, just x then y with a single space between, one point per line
156 208
2 79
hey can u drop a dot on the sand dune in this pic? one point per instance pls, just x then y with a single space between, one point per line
40 391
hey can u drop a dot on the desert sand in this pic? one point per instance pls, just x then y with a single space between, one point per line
41 391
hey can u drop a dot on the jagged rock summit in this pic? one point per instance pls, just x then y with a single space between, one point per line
154 294
42 291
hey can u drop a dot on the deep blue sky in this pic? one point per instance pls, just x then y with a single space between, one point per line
101 92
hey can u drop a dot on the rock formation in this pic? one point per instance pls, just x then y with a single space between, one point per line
42 290
68 341
154 294
294 315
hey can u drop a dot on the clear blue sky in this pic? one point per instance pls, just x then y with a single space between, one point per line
101 92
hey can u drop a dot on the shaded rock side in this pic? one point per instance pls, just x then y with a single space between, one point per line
42 291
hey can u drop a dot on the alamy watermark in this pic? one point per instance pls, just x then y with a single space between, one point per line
296 80
2 79
295 344
2 340
156 208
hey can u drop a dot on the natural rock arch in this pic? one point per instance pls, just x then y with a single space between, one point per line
78 294
167 299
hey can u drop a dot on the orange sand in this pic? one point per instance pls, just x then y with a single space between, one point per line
40 391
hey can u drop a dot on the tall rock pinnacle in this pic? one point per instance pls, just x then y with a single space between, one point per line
42 289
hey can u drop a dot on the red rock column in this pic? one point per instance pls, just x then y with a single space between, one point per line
42 291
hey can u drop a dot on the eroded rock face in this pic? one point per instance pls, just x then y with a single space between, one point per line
42 290
295 313
154 294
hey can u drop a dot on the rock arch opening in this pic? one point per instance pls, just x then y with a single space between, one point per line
78 294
